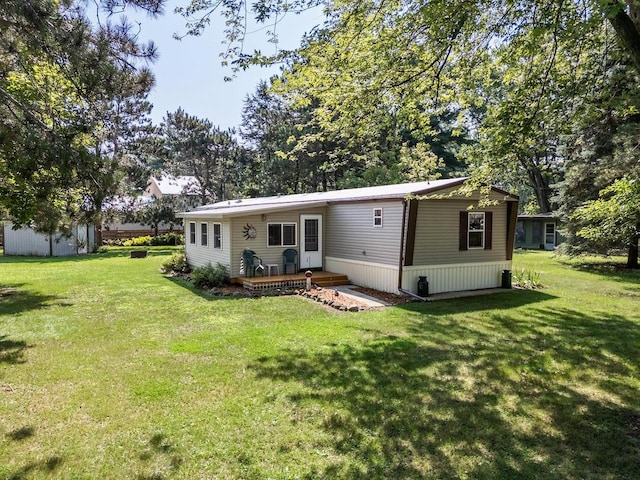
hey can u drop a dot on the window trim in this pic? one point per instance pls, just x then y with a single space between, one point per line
192 233
282 225
217 245
487 238
481 231
204 234
377 215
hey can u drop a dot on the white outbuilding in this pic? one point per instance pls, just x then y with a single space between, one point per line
26 241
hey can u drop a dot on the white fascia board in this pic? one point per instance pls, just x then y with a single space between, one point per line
241 211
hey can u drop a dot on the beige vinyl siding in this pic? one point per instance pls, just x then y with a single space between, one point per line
437 232
199 255
350 233
269 255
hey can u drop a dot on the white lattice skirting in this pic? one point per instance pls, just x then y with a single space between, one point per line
274 285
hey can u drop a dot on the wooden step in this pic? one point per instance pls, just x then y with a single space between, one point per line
333 283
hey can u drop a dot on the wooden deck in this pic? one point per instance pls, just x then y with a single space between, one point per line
297 280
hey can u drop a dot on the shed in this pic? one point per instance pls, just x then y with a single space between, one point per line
538 231
26 241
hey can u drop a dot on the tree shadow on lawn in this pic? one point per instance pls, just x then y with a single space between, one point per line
14 300
48 465
241 293
617 271
12 351
503 300
160 453
549 396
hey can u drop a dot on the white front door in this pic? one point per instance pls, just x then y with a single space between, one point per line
310 241
549 236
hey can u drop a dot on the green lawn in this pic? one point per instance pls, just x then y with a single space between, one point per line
110 370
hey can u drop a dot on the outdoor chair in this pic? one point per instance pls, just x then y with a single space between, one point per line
252 263
289 257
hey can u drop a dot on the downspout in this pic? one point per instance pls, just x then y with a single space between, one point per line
402 241
401 263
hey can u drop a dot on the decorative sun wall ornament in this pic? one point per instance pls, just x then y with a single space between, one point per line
249 231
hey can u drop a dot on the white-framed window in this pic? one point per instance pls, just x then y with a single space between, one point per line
192 233
281 234
377 217
204 234
475 231
217 235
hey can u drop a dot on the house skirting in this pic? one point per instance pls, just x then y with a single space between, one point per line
455 277
366 274
442 278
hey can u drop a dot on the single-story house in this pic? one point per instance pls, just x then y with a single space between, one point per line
26 241
539 231
380 237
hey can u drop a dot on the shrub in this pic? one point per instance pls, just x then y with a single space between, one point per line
177 262
210 276
168 239
528 279
115 242
138 241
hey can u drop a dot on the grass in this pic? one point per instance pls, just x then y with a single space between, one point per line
110 370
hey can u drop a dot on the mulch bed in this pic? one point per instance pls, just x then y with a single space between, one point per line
390 298
327 296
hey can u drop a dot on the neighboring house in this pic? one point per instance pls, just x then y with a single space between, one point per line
380 237
173 186
538 231
26 241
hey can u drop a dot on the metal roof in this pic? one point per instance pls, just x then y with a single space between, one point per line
170 185
239 207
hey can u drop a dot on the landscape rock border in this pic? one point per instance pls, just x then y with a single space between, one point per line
334 299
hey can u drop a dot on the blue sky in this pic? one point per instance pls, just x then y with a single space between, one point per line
188 72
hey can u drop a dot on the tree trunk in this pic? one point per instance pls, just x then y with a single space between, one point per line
632 256
539 185
625 28
98 235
